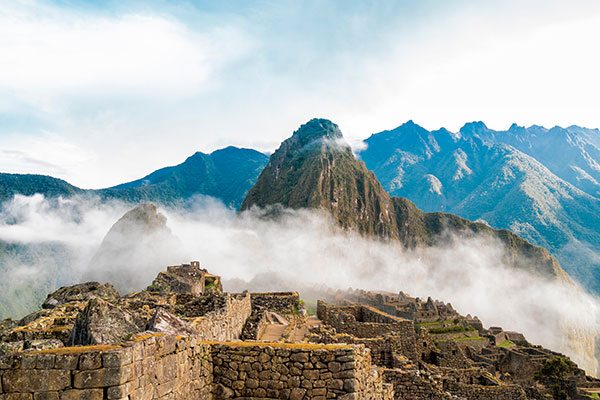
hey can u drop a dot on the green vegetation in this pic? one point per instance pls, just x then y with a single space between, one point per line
451 329
555 373
311 307
468 338
28 185
505 344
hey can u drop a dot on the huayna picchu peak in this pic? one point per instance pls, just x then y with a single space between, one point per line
315 168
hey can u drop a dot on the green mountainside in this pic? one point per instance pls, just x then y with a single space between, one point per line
225 174
28 185
315 168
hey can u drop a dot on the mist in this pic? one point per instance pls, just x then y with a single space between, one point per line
298 250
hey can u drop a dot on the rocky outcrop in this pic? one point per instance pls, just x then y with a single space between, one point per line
102 322
81 292
165 322
187 278
135 249
315 168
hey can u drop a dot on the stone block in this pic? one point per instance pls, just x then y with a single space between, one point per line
39 380
17 396
102 377
115 359
86 394
66 361
118 392
297 394
90 361
45 361
46 396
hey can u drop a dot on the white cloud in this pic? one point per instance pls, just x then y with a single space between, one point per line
50 53
302 250
143 88
48 153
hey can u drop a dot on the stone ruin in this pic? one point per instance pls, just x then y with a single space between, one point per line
451 357
184 338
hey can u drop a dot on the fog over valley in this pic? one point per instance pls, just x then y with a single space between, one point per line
47 243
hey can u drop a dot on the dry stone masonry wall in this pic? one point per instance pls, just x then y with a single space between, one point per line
155 366
151 367
226 324
287 371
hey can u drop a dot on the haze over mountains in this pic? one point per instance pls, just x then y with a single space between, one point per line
316 168
541 184
313 185
477 174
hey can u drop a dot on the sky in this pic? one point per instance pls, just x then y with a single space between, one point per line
99 93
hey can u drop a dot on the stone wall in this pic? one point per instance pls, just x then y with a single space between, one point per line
150 367
227 323
451 355
279 302
387 351
284 303
296 371
157 366
367 322
413 384
520 365
363 321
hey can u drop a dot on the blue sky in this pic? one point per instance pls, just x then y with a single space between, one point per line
103 92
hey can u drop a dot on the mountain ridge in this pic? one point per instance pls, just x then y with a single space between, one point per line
331 178
479 179
226 174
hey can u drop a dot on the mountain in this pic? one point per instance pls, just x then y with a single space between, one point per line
315 168
28 185
572 153
470 175
139 241
28 271
225 174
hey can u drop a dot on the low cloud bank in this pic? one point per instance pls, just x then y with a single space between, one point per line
299 249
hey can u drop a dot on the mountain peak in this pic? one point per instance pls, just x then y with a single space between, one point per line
317 129
514 126
326 176
473 127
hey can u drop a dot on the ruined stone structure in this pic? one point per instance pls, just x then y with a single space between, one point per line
158 366
442 355
183 338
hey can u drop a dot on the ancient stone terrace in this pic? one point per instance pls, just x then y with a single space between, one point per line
444 358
